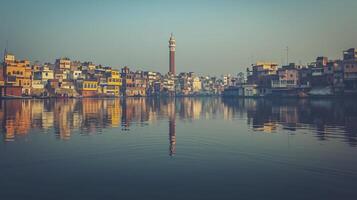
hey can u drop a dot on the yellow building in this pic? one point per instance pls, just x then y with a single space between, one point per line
18 73
88 88
2 80
267 67
113 83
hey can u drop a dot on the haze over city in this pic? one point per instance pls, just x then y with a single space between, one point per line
213 37
178 99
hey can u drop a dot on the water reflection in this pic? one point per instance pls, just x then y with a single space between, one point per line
324 119
327 119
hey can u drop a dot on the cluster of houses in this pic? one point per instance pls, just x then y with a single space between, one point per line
323 77
66 78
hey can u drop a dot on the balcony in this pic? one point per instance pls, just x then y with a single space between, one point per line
283 84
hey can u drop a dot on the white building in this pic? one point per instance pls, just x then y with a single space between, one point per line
75 74
196 84
38 84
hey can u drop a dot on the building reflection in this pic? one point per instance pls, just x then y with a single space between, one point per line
61 116
326 119
15 117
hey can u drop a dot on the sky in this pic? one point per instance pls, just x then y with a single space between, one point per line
212 37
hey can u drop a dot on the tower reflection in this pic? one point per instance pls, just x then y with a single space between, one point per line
172 126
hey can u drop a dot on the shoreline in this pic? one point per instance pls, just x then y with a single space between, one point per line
195 96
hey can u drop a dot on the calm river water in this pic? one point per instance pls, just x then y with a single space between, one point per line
184 148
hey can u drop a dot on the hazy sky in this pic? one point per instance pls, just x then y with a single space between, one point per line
213 37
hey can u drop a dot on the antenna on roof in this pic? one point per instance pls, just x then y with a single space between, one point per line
287 55
5 50
7 46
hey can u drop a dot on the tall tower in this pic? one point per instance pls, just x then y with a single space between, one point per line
172 47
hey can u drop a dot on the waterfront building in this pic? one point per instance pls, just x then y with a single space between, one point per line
10 91
102 86
36 67
153 83
88 66
76 66
250 90
63 64
133 83
228 80
184 83
350 54
349 65
8 58
262 74
68 84
2 79
45 74
88 87
168 85
321 77
337 76
75 74
264 68
304 77
60 76
40 80
37 85
17 73
206 84
53 84
67 88
196 85
321 62
114 83
288 77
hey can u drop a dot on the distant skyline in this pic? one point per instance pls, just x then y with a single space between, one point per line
212 37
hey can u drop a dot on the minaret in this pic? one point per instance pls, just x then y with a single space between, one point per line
172 47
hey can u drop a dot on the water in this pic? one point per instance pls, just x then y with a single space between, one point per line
188 148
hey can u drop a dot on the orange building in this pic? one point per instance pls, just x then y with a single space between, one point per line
2 80
17 73
88 88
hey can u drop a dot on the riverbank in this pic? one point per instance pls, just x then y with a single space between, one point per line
349 96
